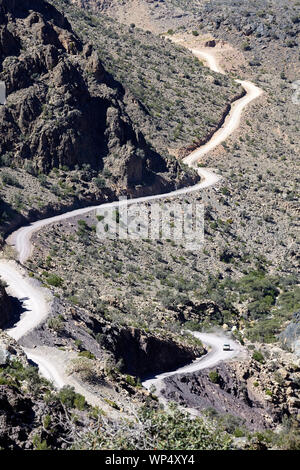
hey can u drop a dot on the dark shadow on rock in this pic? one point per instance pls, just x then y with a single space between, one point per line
16 309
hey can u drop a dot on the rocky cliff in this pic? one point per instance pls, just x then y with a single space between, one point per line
259 394
145 354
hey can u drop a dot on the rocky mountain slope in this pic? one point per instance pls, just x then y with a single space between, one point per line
155 15
276 20
34 416
253 390
121 307
63 109
65 113
169 108
246 275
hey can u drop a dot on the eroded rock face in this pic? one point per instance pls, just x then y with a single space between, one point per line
15 417
145 354
259 394
141 353
63 109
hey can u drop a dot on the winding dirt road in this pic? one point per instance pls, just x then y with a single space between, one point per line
37 303
35 300
209 58
21 239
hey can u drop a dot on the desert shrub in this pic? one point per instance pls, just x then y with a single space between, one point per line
193 325
112 403
16 373
56 324
86 354
79 402
158 429
246 46
82 224
54 280
6 159
10 180
29 167
131 380
99 182
225 191
47 421
231 423
39 444
214 377
70 398
264 331
290 301
258 356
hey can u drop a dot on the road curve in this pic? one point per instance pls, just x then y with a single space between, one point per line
46 367
36 302
209 58
21 239
231 122
215 341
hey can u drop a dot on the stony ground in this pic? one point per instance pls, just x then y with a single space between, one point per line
260 392
245 275
166 107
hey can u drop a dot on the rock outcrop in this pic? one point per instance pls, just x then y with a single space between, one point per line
145 354
290 337
260 394
10 349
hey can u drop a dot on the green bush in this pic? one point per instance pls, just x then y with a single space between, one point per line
47 421
54 280
99 182
162 429
214 377
83 225
131 380
264 331
258 356
246 46
39 444
86 354
55 324
70 398
79 402
10 180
